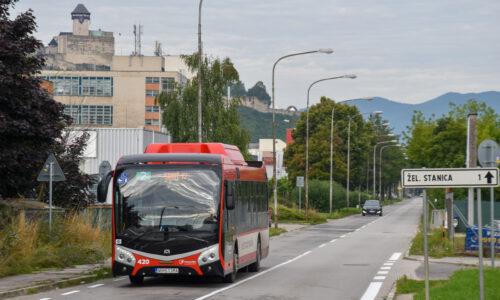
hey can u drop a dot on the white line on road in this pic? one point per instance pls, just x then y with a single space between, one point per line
252 277
395 256
372 291
69 293
342 236
45 298
382 272
388 264
385 268
120 278
379 278
333 240
96 285
322 245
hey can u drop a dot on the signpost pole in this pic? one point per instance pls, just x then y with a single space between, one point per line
480 241
426 251
50 199
300 193
492 235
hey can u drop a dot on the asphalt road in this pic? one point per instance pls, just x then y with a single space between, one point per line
352 258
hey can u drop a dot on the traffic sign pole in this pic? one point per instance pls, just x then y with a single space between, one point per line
480 241
426 250
51 168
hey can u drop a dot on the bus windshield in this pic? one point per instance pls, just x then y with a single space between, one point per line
157 202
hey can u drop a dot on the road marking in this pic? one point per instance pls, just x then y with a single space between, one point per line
388 264
45 298
322 245
69 293
385 268
372 291
382 272
254 276
333 240
96 285
395 256
342 236
379 278
120 278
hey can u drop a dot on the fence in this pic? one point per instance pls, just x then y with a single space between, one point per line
485 206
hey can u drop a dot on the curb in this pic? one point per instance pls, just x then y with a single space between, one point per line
41 287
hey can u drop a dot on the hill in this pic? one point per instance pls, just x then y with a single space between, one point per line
400 114
260 124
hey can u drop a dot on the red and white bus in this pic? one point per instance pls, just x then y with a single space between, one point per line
187 209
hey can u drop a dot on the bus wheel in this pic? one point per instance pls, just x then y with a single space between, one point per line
230 278
256 265
136 279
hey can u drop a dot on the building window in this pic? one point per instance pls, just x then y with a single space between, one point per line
152 80
152 109
167 83
151 93
153 122
90 114
78 86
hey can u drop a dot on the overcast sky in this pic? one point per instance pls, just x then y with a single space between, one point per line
406 51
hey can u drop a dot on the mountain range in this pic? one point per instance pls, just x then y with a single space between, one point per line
400 114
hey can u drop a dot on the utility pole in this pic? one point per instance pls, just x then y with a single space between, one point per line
471 161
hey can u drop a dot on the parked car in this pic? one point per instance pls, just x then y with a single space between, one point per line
372 207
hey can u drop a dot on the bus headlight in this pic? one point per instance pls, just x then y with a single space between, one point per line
208 256
124 256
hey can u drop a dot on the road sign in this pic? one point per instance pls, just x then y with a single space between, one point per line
300 181
57 173
488 153
440 178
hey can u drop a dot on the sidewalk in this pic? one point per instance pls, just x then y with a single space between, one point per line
18 285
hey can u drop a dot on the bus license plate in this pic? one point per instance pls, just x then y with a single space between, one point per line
167 270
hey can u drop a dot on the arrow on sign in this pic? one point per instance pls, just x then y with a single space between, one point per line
489 176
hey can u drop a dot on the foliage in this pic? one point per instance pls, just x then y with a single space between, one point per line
74 192
25 246
364 134
342 213
276 231
290 214
260 124
404 285
238 89
30 119
464 285
259 91
441 142
220 121
435 244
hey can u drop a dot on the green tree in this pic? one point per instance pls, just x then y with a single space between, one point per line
238 89
220 120
30 120
259 91
319 143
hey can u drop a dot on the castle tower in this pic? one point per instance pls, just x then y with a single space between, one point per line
81 18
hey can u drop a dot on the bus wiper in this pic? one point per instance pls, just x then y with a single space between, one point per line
194 238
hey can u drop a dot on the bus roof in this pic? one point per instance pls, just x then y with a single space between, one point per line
228 151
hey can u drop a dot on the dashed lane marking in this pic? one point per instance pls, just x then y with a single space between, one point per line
385 268
120 278
372 291
96 285
379 278
333 240
382 272
388 264
322 245
69 293
395 256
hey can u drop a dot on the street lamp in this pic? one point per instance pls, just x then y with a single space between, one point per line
380 160
351 76
377 112
375 158
199 73
275 180
331 146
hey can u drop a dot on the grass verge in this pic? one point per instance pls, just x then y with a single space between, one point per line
292 215
437 247
342 213
463 284
25 246
276 231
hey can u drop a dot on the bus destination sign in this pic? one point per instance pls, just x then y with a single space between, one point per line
441 178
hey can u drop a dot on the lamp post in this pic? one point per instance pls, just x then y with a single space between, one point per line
199 73
275 180
331 147
349 149
380 172
375 158
351 76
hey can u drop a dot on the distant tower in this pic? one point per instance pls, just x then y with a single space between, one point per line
81 18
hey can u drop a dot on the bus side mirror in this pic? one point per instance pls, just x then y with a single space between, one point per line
102 187
229 195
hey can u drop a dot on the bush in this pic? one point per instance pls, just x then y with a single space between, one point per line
25 246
